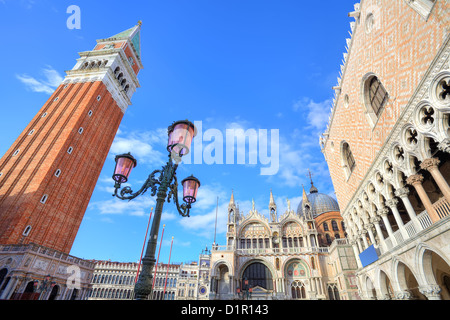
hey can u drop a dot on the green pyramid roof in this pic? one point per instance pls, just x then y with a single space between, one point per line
135 40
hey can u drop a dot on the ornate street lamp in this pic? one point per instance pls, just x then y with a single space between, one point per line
159 182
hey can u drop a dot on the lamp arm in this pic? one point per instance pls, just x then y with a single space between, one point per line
183 210
151 183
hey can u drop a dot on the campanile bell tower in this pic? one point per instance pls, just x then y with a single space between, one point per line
49 173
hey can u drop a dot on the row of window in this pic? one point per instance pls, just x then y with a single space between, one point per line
334 226
58 172
111 293
158 295
69 150
328 239
113 279
161 282
122 81
94 64
375 98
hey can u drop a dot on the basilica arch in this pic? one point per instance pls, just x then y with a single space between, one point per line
254 235
296 274
258 276
221 279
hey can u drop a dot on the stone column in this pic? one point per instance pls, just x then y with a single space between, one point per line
362 234
431 165
355 250
392 203
383 212
416 181
376 222
9 288
402 193
371 236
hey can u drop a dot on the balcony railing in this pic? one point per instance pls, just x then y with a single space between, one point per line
18 248
442 208
421 222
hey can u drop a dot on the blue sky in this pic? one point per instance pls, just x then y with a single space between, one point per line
229 64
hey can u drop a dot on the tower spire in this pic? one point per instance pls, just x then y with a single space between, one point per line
272 208
232 199
304 197
271 202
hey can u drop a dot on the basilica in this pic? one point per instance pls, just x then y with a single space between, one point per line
300 254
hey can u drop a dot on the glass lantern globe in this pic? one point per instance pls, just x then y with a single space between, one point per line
190 188
124 163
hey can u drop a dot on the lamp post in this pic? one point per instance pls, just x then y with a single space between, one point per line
244 292
159 182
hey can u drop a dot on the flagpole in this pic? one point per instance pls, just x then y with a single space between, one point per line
215 226
167 273
157 259
143 246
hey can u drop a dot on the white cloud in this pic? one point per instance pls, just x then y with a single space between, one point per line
144 146
48 85
203 213
139 206
294 159
317 112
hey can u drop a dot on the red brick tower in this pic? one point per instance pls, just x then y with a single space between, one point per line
49 173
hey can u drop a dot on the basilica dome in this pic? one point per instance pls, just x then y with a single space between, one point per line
320 203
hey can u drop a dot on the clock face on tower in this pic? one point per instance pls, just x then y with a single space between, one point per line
202 290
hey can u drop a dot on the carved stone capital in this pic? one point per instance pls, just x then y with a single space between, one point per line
444 145
383 212
392 203
414 179
402 192
430 291
404 295
430 163
375 219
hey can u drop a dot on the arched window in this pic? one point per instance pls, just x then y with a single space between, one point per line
348 161
334 225
298 290
333 292
325 226
327 236
377 95
423 7
374 96
313 264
